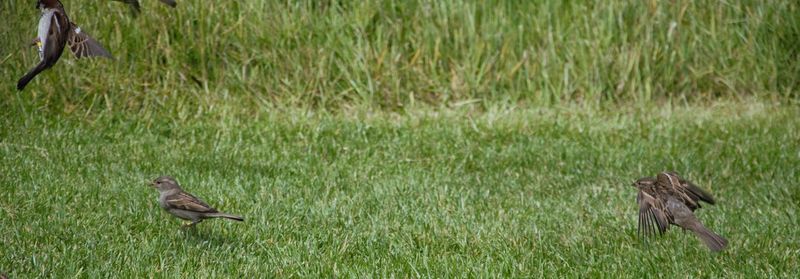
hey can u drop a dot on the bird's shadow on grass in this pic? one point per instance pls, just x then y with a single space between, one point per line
210 236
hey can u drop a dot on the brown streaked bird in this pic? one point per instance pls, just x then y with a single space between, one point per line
138 8
183 205
55 31
669 199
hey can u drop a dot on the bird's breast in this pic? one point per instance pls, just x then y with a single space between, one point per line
162 201
44 26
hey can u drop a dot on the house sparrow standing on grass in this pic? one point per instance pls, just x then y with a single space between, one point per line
55 31
669 199
137 8
183 205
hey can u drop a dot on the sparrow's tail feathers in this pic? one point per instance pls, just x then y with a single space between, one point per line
30 75
226 215
714 241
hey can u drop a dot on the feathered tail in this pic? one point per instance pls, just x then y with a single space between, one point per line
30 75
226 215
712 240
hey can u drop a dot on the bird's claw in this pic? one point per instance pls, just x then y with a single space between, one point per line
187 225
39 46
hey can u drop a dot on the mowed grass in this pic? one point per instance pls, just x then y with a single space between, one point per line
450 193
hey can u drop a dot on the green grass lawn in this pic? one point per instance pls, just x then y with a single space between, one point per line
441 193
408 138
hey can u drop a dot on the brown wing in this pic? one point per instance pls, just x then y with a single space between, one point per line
652 217
83 46
670 184
693 191
188 202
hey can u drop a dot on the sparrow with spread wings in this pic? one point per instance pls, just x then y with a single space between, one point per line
55 32
183 205
669 199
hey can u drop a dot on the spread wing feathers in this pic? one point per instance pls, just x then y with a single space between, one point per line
188 202
84 46
671 183
171 3
652 218
698 194
694 192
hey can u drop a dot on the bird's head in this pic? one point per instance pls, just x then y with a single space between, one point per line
644 182
41 4
165 183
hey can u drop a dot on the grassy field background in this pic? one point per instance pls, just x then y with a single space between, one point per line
402 138
511 194
394 54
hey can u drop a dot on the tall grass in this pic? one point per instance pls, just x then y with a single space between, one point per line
395 54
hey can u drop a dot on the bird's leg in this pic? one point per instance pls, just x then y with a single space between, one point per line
191 224
39 46
186 225
37 43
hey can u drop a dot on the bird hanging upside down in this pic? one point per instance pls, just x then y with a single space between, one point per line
55 32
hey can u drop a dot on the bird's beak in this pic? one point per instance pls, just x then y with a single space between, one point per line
151 183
